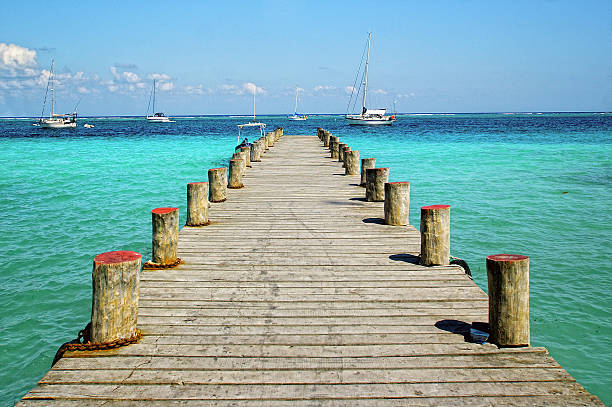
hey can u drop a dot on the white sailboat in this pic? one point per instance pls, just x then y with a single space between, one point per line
157 117
55 121
369 117
297 116
254 123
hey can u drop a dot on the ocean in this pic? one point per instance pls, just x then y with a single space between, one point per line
533 184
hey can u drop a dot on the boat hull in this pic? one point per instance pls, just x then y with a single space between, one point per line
358 121
57 125
158 119
299 118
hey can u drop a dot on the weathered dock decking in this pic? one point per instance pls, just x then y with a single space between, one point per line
296 294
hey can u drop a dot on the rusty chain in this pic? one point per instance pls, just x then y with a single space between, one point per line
156 266
83 343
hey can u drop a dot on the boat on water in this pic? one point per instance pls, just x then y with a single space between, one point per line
368 117
55 121
254 123
297 116
157 117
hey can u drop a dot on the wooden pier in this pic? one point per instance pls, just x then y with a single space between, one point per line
297 294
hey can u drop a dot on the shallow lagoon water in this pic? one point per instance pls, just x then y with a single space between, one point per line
531 184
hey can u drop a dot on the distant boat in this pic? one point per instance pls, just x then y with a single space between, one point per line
157 117
88 126
55 121
253 123
369 117
297 116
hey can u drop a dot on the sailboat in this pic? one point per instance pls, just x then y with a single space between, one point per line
253 123
55 121
157 117
367 116
297 116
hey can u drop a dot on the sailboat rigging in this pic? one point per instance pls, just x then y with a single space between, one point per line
369 116
55 121
157 117
254 123
297 116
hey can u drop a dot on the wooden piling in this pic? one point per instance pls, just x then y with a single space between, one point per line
165 238
351 162
332 139
508 281
334 146
235 174
375 184
345 150
247 155
217 184
270 136
435 235
397 203
116 289
254 152
341 151
365 164
197 204
326 136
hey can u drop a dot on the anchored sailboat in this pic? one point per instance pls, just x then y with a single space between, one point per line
369 116
297 116
55 121
254 123
157 117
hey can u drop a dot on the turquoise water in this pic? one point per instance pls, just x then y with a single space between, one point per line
531 184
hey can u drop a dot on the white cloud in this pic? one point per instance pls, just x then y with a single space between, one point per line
320 88
194 90
15 57
159 76
379 92
166 86
251 88
83 90
125 76
349 89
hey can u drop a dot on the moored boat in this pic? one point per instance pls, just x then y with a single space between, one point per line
55 121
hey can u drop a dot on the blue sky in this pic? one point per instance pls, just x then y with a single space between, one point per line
442 56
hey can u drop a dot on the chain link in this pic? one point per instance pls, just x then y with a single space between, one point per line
83 343
156 266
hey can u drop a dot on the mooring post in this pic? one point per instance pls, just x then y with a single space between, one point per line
375 184
320 133
217 184
508 280
332 140
435 235
326 136
235 174
165 238
197 204
397 203
115 292
253 152
270 136
345 150
340 151
278 133
351 163
247 154
365 164
335 145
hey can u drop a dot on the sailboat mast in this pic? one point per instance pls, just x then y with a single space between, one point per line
52 88
296 99
365 80
153 113
254 92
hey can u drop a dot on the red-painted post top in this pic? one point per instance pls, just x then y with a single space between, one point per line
434 207
381 168
213 169
116 257
161 211
193 183
506 257
399 182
